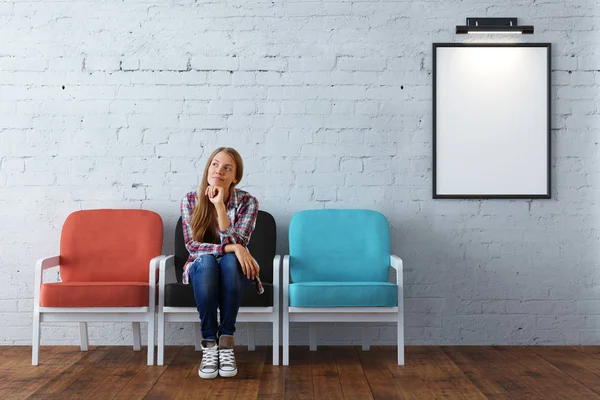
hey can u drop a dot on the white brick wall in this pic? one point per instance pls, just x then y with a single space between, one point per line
117 104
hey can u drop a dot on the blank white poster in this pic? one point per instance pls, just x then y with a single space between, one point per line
491 130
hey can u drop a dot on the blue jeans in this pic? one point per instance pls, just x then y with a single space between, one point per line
217 284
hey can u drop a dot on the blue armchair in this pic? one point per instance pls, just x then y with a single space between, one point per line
338 270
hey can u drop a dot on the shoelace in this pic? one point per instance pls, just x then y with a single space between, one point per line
226 357
210 357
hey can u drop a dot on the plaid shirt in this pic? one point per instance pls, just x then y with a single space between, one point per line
242 210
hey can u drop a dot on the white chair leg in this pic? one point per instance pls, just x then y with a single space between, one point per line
286 336
35 340
276 302
400 282
276 339
251 337
366 342
137 338
160 340
198 335
151 328
312 330
400 338
83 336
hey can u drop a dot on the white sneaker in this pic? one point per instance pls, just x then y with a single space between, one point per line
227 365
209 367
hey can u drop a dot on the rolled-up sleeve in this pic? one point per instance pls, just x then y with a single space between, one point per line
193 247
240 232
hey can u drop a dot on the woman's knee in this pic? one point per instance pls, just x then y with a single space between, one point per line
203 268
231 270
205 262
229 260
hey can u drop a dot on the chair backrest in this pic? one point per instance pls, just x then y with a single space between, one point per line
339 245
109 245
262 246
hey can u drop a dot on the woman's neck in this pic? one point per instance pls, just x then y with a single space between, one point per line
226 196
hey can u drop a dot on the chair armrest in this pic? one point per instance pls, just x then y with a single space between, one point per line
164 263
397 264
286 280
154 265
276 284
276 269
285 272
40 266
45 263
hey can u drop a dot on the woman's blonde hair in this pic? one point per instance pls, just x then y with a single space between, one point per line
204 217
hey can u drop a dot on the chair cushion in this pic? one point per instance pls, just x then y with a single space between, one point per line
94 294
339 245
343 294
180 295
109 245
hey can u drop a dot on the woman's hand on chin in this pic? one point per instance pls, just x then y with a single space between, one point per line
216 194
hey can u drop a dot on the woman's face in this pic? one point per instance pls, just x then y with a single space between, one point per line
221 171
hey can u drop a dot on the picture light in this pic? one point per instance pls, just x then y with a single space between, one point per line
493 25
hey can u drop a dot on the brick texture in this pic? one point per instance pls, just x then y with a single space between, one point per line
117 104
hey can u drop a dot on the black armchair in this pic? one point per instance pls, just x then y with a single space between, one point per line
176 301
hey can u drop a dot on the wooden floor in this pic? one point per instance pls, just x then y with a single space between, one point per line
329 373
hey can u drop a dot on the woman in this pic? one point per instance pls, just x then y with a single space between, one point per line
217 222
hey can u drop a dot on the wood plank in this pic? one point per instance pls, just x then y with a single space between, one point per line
435 379
586 349
474 372
379 378
502 372
272 380
298 375
406 377
587 359
454 375
352 376
13 358
194 387
18 378
527 371
325 375
177 371
116 380
52 355
499 372
4 349
542 367
249 377
61 382
226 388
570 366
90 378
146 376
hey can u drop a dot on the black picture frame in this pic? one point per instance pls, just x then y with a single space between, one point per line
445 192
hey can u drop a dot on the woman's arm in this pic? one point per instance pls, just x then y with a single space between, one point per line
195 248
231 248
245 223
222 217
249 266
